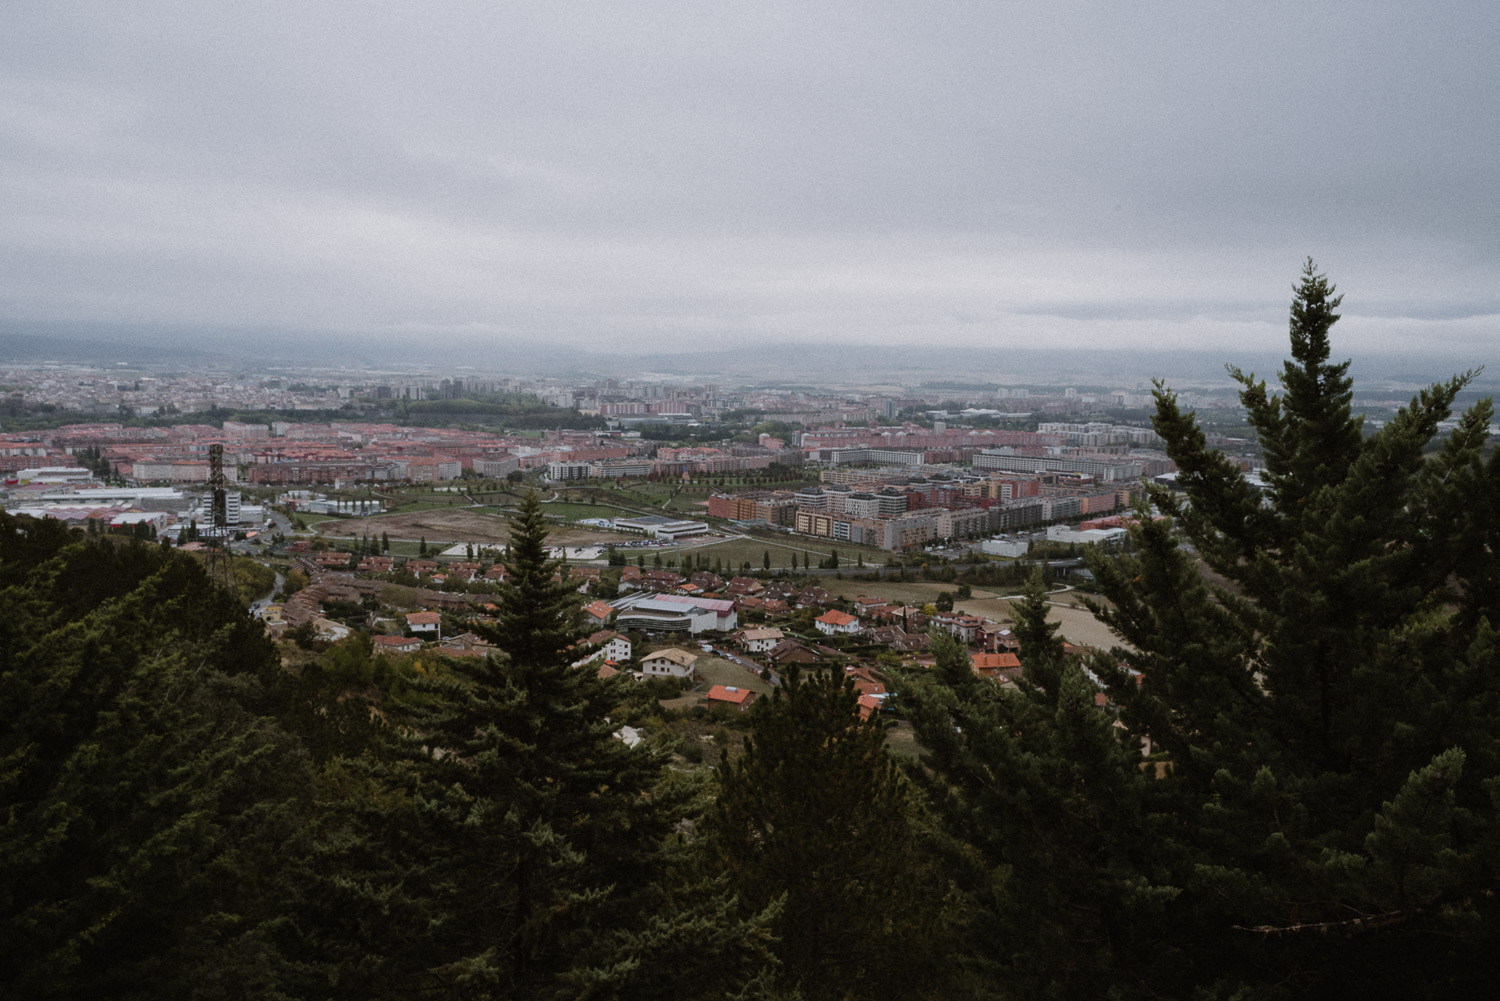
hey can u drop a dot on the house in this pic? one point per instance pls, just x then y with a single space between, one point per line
669 663
496 574
425 624
814 596
708 580
759 640
792 652
869 705
397 644
730 695
836 623
463 571
965 628
999 639
597 613
616 647
747 586
868 606
864 681
467 645
998 666
661 580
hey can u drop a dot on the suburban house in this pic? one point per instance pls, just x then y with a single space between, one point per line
792 652
597 613
425 624
760 640
965 628
616 647
397 644
730 695
669 663
1000 667
836 623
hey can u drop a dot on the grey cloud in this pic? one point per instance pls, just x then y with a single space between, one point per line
848 172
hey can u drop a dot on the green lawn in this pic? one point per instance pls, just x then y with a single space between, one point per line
571 511
736 551
715 671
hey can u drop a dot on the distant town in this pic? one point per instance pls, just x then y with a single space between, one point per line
684 511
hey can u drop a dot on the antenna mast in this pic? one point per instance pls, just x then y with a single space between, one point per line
220 556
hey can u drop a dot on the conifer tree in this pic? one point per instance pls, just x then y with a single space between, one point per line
816 810
1315 680
151 817
1341 676
526 842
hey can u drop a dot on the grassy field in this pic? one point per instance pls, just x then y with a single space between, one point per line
575 511
717 671
735 552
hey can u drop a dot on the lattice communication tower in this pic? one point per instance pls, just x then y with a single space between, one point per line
220 556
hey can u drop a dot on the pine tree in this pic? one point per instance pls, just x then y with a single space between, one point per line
518 844
1314 677
817 810
1341 676
1043 802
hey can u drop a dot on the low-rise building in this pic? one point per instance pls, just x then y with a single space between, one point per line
730 695
669 663
760 640
836 623
397 644
425 624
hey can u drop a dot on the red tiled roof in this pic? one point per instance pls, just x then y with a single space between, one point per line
721 693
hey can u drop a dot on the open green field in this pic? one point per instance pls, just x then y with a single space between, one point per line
735 552
717 671
570 511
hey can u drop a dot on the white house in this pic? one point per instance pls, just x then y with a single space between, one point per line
760 640
836 623
669 663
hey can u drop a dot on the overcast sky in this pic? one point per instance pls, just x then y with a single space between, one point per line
638 175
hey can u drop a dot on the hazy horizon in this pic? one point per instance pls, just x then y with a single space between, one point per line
628 180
